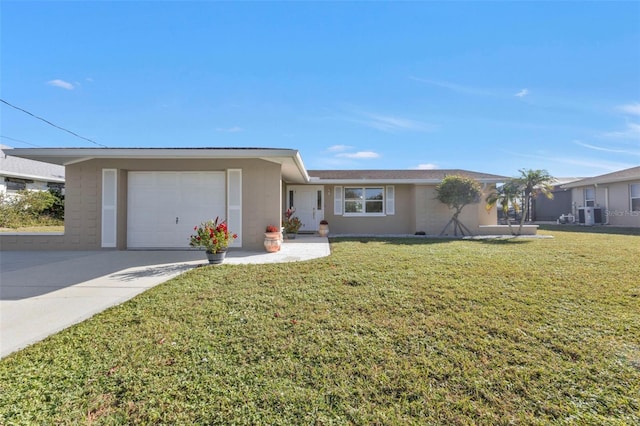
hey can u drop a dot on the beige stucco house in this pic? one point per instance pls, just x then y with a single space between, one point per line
612 198
151 198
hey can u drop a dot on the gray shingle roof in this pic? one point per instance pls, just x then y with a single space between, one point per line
29 169
632 173
400 175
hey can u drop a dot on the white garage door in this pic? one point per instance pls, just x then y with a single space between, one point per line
164 207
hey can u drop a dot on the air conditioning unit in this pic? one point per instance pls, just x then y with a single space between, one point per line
598 215
586 216
589 216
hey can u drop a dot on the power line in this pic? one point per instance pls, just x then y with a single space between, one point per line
18 140
51 124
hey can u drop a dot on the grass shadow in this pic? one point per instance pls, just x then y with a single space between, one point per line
502 241
406 240
597 229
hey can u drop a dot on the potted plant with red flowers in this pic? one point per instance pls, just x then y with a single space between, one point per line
272 239
214 237
291 223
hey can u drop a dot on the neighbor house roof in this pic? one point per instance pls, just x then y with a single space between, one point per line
398 176
293 169
620 176
22 168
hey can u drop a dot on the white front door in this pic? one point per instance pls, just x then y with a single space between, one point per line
163 207
308 202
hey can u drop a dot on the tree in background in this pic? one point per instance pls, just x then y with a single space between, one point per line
506 195
525 188
456 192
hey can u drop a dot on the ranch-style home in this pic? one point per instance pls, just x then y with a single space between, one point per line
151 198
612 198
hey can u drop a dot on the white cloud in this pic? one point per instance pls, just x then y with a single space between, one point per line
387 123
631 132
467 90
338 148
605 149
359 155
234 129
633 109
61 83
522 93
427 166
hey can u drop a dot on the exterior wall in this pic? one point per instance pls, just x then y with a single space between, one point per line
550 210
615 198
261 201
416 210
432 215
402 222
619 207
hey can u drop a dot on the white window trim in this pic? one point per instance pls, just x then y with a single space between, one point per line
586 200
365 214
337 200
631 197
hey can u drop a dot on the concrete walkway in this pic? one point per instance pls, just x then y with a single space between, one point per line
43 292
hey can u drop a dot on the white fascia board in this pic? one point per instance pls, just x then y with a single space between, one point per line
390 181
74 155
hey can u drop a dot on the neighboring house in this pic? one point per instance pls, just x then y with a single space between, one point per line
612 198
545 209
18 174
128 198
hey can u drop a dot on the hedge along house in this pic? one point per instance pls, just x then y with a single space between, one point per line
151 198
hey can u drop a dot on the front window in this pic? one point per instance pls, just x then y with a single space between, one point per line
363 200
16 184
589 197
635 197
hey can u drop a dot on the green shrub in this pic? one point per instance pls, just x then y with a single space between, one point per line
25 208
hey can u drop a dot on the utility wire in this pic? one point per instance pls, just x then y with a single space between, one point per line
18 140
51 124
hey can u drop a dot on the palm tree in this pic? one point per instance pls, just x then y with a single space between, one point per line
505 195
526 187
532 183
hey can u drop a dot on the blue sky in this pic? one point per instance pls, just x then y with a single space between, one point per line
483 86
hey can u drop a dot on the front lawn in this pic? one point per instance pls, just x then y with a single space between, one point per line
381 332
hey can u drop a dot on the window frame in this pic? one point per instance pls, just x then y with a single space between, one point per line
632 197
364 201
589 200
21 183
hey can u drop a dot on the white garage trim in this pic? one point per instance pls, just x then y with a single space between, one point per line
234 204
109 207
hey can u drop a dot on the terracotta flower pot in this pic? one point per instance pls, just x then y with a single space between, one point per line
272 241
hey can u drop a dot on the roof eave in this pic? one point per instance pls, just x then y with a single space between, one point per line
292 165
393 181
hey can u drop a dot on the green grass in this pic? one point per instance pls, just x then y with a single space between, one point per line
381 332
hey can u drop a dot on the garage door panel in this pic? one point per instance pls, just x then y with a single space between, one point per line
163 207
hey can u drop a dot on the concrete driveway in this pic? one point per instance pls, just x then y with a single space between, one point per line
43 292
